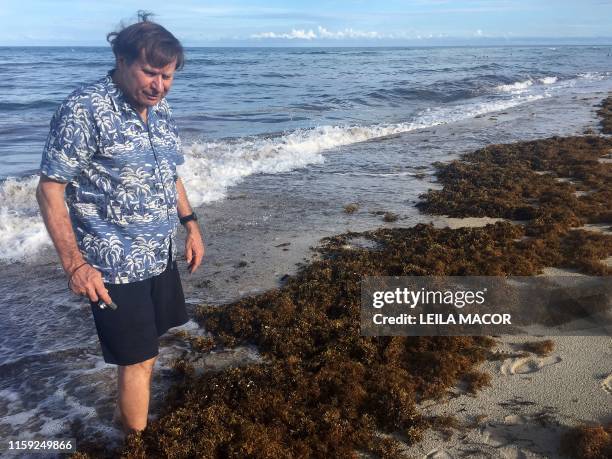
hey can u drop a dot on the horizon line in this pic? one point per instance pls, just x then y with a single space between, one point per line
345 45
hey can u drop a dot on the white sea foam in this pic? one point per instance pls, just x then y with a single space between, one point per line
594 75
518 86
548 80
212 167
22 232
552 84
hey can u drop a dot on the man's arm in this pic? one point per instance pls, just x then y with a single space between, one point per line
194 245
86 280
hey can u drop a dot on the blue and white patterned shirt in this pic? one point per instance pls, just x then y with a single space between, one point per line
121 175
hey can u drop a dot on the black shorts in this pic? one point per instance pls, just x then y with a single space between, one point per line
145 311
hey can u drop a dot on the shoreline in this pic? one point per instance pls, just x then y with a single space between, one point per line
278 247
245 321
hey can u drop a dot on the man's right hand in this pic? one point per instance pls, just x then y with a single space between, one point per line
88 281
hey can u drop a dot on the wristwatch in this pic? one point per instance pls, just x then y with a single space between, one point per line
187 218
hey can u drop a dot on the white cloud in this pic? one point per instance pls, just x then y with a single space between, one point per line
321 33
294 34
347 33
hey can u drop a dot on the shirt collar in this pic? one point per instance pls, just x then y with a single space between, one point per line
118 99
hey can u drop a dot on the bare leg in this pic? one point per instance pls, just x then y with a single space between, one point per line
134 392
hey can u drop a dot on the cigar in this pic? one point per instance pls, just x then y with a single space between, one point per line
111 305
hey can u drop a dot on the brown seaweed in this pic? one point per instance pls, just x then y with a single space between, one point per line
536 182
588 442
605 112
351 208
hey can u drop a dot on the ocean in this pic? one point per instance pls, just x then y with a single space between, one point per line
277 141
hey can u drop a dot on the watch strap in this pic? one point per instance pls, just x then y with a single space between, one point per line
187 218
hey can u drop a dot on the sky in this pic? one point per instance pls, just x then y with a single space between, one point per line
313 22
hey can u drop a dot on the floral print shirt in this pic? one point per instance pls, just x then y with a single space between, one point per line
121 179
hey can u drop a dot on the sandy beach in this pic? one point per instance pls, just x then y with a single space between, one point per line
283 372
530 404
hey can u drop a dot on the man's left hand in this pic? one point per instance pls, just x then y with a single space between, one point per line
194 246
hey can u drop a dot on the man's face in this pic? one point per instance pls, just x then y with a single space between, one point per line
143 84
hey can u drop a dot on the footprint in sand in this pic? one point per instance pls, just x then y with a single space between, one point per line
515 419
524 365
438 454
606 384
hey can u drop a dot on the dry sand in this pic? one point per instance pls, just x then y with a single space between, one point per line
468 222
531 402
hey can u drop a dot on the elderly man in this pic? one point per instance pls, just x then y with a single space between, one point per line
111 156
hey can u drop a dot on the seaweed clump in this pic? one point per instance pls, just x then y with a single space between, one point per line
605 112
351 208
588 442
535 181
555 185
390 217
